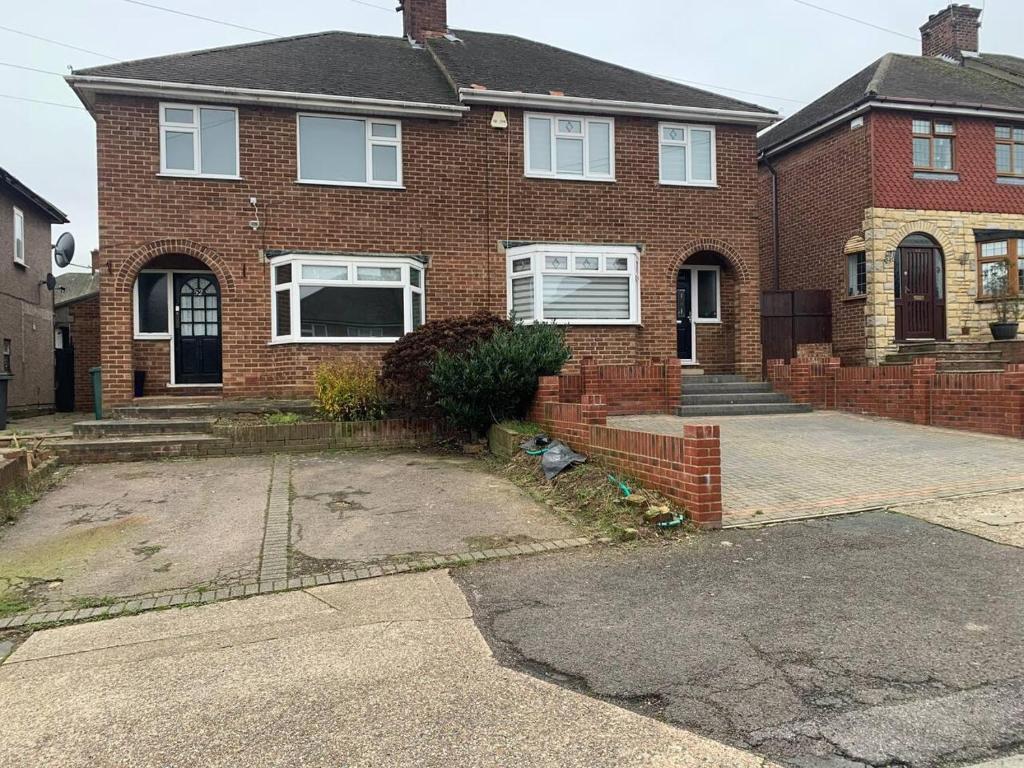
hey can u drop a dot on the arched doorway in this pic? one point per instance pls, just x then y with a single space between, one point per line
699 293
919 283
197 345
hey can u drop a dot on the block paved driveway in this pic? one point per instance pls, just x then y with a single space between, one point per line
799 465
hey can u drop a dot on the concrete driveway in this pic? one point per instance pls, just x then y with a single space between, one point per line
847 642
794 466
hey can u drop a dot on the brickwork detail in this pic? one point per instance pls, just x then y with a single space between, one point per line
85 335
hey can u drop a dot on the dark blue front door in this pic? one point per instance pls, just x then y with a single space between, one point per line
684 322
197 329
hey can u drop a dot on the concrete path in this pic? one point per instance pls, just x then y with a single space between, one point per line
390 672
848 642
804 465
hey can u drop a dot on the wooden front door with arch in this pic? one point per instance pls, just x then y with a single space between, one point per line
197 329
919 283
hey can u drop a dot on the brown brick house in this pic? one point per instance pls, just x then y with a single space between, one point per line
265 207
902 192
26 306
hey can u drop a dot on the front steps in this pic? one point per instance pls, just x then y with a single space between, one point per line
732 396
950 356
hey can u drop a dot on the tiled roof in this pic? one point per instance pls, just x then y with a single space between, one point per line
48 209
75 286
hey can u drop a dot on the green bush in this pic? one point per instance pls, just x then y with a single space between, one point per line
497 378
349 391
405 374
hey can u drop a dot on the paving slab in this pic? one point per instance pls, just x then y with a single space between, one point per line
777 468
124 529
356 510
995 516
394 690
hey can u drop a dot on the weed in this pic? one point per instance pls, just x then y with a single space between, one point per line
283 418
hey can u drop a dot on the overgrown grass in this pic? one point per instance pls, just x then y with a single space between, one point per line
283 418
15 499
12 603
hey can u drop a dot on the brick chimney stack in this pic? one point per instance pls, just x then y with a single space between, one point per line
424 18
950 32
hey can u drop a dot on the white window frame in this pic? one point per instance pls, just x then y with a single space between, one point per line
197 142
587 121
19 224
371 141
695 318
537 254
687 128
297 260
158 336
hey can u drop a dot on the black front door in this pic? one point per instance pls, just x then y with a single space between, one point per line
197 329
684 323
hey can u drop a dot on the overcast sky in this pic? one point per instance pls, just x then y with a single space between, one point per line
778 53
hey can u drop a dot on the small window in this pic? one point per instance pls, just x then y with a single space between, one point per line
1009 150
933 145
199 141
1000 268
5 361
151 304
707 295
350 151
856 274
687 154
19 237
570 147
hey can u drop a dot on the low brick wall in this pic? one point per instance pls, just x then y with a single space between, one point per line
327 435
626 389
13 468
978 402
686 468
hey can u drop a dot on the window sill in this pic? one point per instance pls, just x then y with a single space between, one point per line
1010 180
152 337
21 264
592 323
285 342
194 386
706 322
858 297
994 299
544 177
936 176
698 184
355 184
198 177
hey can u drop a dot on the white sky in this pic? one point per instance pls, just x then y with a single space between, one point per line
785 51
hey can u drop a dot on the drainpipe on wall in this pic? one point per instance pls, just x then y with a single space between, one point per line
775 221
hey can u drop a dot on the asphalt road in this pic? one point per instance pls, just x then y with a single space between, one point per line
871 640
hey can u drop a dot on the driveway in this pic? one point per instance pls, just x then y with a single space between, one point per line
800 465
864 640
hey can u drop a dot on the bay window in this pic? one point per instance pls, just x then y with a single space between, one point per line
687 155
345 299
574 284
198 141
350 151
570 147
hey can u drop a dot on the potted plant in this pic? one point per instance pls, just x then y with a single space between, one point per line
1008 312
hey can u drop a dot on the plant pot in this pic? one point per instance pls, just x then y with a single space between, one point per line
1003 331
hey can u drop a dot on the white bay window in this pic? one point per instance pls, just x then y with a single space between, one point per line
574 284
687 155
570 147
350 151
345 299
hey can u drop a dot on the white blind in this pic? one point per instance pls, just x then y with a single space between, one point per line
585 297
522 299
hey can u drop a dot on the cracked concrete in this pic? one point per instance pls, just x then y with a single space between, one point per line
873 640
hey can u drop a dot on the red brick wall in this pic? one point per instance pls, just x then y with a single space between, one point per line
824 188
463 194
974 161
652 387
85 335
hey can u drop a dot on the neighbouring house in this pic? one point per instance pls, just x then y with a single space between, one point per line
76 309
26 305
902 192
265 207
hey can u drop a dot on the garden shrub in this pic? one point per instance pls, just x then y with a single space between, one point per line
349 391
405 374
497 378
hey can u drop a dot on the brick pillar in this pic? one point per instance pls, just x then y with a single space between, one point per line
116 344
673 383
747 341
922 372
593 410
1013 381
831 366
800 386
702 474
547 392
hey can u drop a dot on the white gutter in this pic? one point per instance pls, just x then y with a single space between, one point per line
609 107
91 84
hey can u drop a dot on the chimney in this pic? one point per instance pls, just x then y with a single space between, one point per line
424 18
950 32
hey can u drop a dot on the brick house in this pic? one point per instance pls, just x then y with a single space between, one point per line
26 306
76 309
902 192
265 207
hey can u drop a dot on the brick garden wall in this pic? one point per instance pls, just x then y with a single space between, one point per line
978 402
460 200
626 389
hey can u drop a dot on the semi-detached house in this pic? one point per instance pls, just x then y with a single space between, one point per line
265 207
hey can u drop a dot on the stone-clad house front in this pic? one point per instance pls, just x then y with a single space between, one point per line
265 207
902 192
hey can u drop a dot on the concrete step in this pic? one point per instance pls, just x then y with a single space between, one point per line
91 430
732 399
716 378
742 409
729 387
925 347
212 409
968 366
948 354
139 448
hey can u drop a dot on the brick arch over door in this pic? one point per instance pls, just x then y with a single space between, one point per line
124 278
920 228
720 247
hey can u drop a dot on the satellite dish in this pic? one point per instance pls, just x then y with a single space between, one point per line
64 250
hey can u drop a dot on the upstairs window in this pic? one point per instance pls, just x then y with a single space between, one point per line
350 151
687 155
574 284
570 147
1009 150
1000 268
199 141
19 237
933 145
